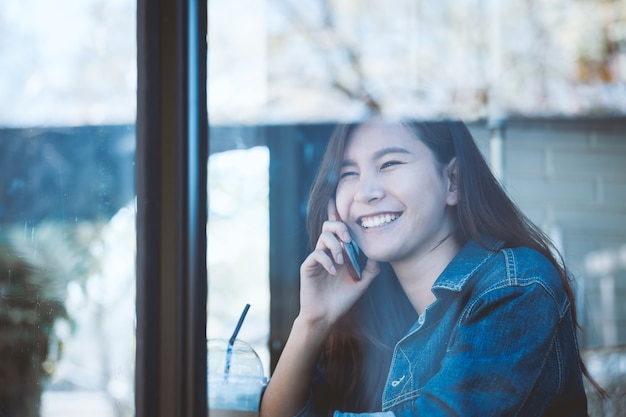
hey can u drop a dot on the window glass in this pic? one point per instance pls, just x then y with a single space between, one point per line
238 246
540 84
67 216
238 171
290 61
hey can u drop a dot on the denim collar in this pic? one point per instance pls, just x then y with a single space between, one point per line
465 264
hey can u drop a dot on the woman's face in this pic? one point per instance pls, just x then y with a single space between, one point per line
393 194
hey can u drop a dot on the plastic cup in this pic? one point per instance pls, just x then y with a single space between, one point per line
235 380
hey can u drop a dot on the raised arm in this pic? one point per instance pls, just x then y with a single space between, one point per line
288 389
327 292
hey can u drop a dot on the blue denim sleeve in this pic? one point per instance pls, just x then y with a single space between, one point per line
501 359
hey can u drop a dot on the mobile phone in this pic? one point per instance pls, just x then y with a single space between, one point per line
354 258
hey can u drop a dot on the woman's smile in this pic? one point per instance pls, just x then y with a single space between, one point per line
378 220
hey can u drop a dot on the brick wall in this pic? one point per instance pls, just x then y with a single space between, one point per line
569 177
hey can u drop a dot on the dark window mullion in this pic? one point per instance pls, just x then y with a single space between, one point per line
171 208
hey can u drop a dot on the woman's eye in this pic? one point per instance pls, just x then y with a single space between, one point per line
347 174
389 164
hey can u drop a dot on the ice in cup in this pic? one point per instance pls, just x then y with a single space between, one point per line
235 379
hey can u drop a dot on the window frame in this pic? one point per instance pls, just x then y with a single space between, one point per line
171 185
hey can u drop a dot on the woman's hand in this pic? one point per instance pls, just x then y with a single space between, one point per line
327 289
327 292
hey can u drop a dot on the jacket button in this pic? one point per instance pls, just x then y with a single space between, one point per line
397 382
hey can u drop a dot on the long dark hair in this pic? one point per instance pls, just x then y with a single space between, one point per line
358 352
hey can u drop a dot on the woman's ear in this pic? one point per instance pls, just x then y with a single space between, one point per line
452 175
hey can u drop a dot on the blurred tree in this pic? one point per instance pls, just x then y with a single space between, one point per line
429 59
35 267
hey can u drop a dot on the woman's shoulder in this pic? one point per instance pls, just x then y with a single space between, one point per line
527 264
527 259
522 269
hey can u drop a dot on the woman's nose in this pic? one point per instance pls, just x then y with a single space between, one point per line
369 189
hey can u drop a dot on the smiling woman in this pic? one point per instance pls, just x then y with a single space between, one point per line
383 162
451 259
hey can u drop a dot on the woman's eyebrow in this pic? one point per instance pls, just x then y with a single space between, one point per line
386 151
377 155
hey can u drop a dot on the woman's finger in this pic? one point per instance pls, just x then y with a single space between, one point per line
318 257
329 243
339 229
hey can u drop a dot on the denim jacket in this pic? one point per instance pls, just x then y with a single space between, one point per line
498 341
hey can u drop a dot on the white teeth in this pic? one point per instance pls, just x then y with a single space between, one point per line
378 220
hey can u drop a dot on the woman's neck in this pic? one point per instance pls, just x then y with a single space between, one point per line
418 274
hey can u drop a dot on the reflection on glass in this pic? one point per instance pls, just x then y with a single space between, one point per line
238 246
67 233
238 174
537 72
289 61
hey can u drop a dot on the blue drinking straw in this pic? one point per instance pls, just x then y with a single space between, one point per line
231 341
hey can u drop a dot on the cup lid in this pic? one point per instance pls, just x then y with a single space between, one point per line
240 360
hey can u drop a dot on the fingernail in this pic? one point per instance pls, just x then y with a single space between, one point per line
346 237
333 271
340 258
